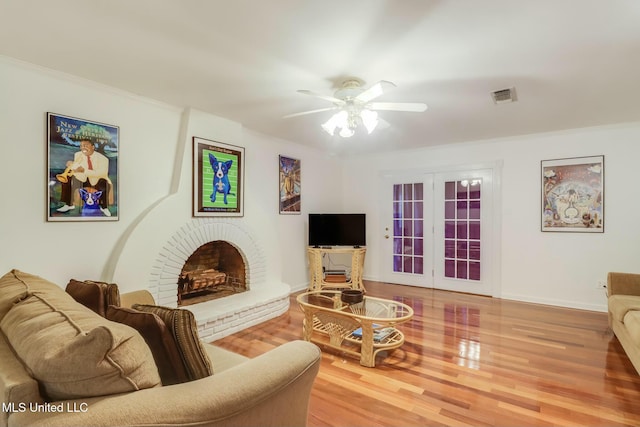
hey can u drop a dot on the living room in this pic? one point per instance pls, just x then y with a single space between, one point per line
155 200
555 268
550 268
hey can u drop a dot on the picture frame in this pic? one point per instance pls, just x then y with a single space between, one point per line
573 195
82 169
289 185
218 179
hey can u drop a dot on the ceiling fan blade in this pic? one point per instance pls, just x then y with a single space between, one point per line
375 91
325 97
415 107
319 110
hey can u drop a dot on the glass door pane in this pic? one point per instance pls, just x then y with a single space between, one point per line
408 228
406 255
462 229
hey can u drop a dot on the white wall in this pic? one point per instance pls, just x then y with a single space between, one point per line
62 250
152 134
551 268
317 195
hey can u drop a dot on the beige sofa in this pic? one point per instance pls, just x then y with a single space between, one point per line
623 291
62 364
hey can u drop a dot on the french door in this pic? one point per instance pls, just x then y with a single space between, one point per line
408 230
438 230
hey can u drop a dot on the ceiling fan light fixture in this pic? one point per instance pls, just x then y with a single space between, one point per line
346 132
330 125
338 120
355 107
346 121
342 119
334 122
369 119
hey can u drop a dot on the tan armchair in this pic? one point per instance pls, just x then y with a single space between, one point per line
623 290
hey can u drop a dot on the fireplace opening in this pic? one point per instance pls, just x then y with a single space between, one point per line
215 270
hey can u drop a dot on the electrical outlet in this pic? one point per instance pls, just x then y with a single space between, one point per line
601 284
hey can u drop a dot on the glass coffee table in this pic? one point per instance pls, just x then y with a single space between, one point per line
362 329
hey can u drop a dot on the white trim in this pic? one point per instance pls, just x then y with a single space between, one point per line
558 303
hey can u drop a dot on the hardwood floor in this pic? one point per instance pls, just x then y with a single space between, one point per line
470 360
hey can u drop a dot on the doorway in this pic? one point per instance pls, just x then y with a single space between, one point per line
439 230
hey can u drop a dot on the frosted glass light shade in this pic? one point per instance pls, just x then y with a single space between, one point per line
369 119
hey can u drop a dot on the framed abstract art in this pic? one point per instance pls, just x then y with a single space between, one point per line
573 195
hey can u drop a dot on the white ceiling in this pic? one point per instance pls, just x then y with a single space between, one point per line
574 63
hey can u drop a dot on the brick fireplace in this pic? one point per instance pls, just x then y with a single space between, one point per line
215 270
262 298
152 252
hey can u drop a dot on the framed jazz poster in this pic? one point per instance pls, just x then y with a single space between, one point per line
218 178
82 169
289 173
573 194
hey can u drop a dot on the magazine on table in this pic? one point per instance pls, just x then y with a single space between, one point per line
378 334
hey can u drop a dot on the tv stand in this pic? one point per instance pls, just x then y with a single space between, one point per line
317 280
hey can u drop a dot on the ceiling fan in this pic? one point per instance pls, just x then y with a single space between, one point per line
355 104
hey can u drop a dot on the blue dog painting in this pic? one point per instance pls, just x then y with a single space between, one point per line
90 202
221 182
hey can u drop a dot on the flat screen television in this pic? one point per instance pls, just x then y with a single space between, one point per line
337 229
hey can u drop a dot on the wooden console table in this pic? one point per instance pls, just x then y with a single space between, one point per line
317 280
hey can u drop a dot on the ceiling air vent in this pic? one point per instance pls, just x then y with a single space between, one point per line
505 95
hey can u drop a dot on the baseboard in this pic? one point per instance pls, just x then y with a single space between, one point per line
557 303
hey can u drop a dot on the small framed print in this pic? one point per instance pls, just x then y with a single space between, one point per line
573 194
82 169
218 178
289 172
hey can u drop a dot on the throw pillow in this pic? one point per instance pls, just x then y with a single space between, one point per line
182 325
95 295
159 339
74 353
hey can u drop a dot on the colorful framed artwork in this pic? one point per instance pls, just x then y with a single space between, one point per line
82 169
573 194
218 178
289 172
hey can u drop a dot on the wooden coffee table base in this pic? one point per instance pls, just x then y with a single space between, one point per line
364 348
338 328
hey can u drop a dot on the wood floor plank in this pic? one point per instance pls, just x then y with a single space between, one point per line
469 360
